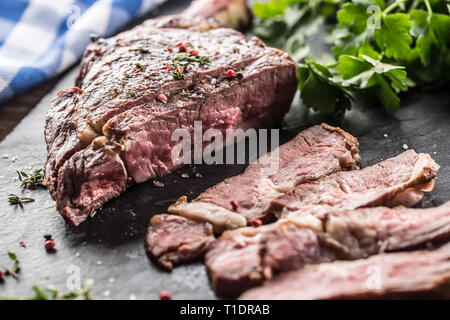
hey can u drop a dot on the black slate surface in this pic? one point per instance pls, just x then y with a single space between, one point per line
109 248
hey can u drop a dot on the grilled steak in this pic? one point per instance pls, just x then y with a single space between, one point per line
313 153
245 257
114 129
381 276
171 239
397 181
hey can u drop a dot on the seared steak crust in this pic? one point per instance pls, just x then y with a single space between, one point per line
245 257
401 274
127 104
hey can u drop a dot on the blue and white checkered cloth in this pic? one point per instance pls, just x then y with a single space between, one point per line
41 38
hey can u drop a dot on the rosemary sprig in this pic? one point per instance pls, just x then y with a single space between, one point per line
31 181
16 200
53 293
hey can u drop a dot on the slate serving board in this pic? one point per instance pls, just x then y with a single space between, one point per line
109 248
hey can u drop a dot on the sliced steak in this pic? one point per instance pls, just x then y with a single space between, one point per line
245 257
381 276
397 181
127 104
172 239
312 154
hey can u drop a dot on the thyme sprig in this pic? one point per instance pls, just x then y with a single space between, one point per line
31 181
16 200
53 293
15 268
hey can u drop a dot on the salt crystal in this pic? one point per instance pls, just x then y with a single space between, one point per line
112 280
385 135
99 262
106 293
405 146
77 254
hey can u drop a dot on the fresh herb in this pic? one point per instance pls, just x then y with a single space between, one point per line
140 49
137 64
16 200
181 61
31 181
53 293
133 94
380 48
15 268
126 75
236 50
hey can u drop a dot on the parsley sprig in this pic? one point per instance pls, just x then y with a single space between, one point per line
380 47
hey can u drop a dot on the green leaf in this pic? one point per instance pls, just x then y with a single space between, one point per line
383 79
426 38
12 256
367 50
354 16
385 95
440 24
270 9
393 35
321 93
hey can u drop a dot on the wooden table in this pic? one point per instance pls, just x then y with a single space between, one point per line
14 110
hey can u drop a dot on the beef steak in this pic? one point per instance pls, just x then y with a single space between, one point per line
313 153
245 257
380 276
171 239
397 181
114 129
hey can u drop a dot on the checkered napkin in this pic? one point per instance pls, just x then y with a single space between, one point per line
41 38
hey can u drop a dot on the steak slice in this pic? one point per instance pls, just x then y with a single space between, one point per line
245 257
397 181
121 116
312 154
381 276
171 239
